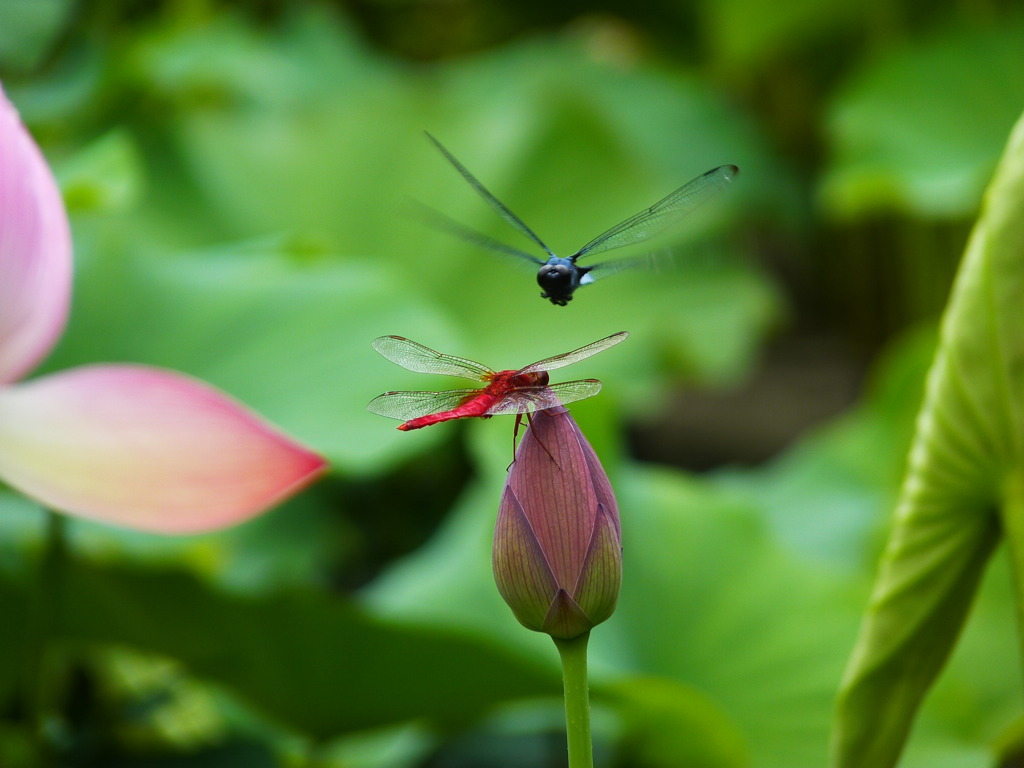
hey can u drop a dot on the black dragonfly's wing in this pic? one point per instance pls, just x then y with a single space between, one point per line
662 214
494 202
648 261
438 220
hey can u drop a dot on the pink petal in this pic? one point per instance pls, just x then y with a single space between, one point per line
35 251
521 571
145 448
601 578
551 480
566 620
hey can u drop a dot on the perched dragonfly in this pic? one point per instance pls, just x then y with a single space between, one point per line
504 392
560 277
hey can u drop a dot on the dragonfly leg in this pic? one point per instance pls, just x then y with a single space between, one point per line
558 301
540 442
515 436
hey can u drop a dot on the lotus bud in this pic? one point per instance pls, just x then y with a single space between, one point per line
557 542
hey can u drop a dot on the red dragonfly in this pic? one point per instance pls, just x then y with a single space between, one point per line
504 392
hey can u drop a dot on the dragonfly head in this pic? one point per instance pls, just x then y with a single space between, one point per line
531 379
559 278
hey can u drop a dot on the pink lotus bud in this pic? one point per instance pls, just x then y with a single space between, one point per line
557 542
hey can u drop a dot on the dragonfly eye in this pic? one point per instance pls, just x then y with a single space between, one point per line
555 276
559 278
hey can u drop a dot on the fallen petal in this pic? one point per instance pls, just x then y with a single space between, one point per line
145 448
35 251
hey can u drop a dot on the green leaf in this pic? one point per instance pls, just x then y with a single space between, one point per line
315 663
104 177
28 29
14 609
744 33
294 544
667 725
827 497
920 129
711 599
962 489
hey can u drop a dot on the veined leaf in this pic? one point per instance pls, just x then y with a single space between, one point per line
964 486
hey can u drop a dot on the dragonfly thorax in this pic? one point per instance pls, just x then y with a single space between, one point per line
560 278
530 379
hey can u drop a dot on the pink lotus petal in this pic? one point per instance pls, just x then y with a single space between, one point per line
35 251
557 547
144 448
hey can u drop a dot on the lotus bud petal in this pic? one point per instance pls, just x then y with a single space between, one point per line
557 542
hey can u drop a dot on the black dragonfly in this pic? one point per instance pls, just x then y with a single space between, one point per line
559 277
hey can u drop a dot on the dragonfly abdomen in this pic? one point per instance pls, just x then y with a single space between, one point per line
478 406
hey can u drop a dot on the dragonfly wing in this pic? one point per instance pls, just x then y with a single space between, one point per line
650 261
438 220
568 358
663 213
494 202
412 405
529 399
421 359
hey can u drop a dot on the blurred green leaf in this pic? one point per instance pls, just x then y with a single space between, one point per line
292 545
668 725
731 619
398 747
746 33
103 178
317 664
196 57
28 29
22 527
448 581
962 489
920 129
14 609
828 495
1011 744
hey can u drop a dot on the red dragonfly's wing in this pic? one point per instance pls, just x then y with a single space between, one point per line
416 357
529 399
412 405
568 358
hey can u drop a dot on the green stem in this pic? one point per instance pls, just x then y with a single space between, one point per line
577 700
37 681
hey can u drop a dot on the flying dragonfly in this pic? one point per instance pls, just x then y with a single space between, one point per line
504 392
559 277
